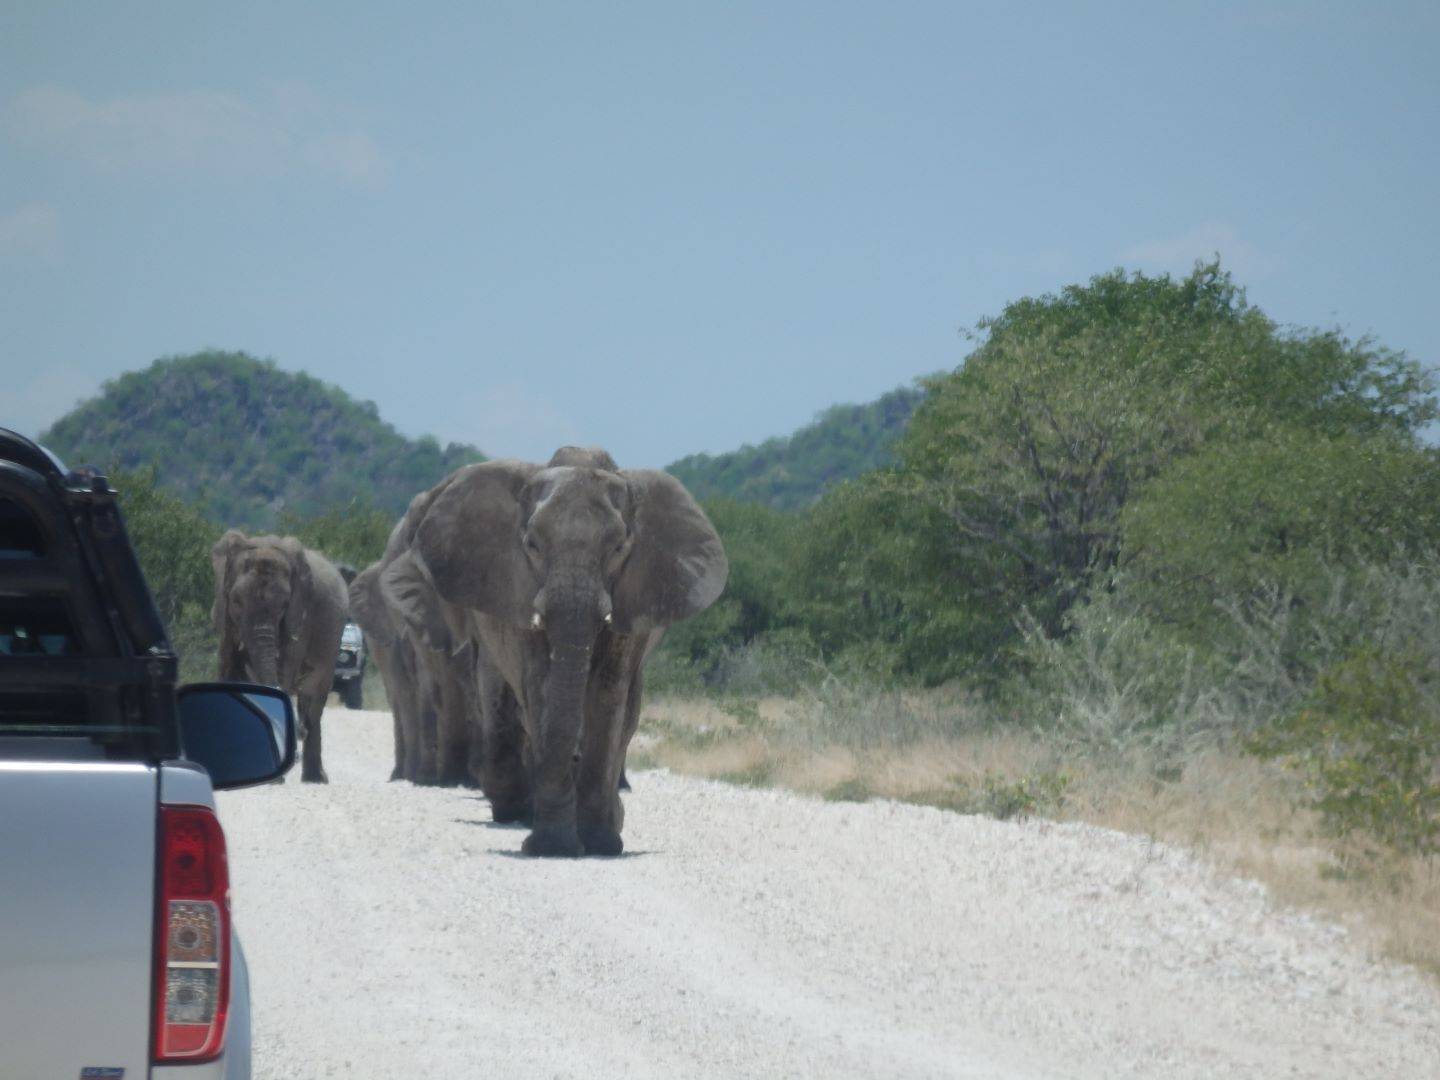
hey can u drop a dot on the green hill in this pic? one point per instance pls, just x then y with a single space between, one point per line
790 472
247 441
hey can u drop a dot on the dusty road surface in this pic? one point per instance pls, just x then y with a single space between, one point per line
393 931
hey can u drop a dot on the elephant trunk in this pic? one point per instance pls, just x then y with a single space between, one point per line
557 742
265 655
573 614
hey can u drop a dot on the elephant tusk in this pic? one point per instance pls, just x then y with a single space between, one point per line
536 623
609 618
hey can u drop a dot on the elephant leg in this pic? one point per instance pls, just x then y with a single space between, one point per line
413 763
452 729
413 723
395 695
610 721
398 772
311 768
475 761
422 742
632 721
504 775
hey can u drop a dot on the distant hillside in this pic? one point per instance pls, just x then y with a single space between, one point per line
790 472
246 440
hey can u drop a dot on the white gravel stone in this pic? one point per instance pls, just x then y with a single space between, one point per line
393 931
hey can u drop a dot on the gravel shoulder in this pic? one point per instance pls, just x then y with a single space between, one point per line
394 931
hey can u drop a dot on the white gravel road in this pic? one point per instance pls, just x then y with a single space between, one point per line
393 931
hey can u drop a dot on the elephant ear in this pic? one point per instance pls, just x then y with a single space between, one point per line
470 541
677 566
367 605
222 559
302 596
407 587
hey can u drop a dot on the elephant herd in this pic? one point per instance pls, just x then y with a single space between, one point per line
510 617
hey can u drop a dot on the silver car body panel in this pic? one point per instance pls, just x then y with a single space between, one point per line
77 917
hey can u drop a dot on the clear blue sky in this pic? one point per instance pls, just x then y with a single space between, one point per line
669 227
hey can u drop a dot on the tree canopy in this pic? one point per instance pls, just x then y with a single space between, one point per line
247 441
792 471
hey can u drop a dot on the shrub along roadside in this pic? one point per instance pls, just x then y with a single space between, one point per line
1367 741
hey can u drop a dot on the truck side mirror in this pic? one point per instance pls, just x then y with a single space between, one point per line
243 733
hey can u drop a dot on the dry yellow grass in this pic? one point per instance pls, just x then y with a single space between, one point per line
1234 810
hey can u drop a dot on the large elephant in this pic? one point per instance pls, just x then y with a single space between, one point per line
427 661
279 612
568 576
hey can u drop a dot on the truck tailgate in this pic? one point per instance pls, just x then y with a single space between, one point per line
77 881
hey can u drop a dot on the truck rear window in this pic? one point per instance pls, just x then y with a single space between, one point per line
36 626
50 712
19 535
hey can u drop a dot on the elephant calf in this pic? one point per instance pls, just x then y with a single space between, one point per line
279 612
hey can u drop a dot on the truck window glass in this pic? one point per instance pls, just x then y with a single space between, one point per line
19 535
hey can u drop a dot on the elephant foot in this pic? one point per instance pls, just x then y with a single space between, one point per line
599 840
313 776
507 813
397 773
553 841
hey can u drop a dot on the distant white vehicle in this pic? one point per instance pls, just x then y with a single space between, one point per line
118 956
350 667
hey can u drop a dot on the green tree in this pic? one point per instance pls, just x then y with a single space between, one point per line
355 534
172 540
1253 519
1027 455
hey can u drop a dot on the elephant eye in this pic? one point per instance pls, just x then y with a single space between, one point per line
531 544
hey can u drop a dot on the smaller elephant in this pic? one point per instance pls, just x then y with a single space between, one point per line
279 612
394 655
429 666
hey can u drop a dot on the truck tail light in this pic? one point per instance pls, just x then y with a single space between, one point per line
192 938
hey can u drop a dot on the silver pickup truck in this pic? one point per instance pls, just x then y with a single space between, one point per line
118 953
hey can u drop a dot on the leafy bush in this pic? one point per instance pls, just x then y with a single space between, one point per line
1367 741
1040 794
1116 681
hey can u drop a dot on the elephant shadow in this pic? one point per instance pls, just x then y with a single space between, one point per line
509 826
512 826
510 853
